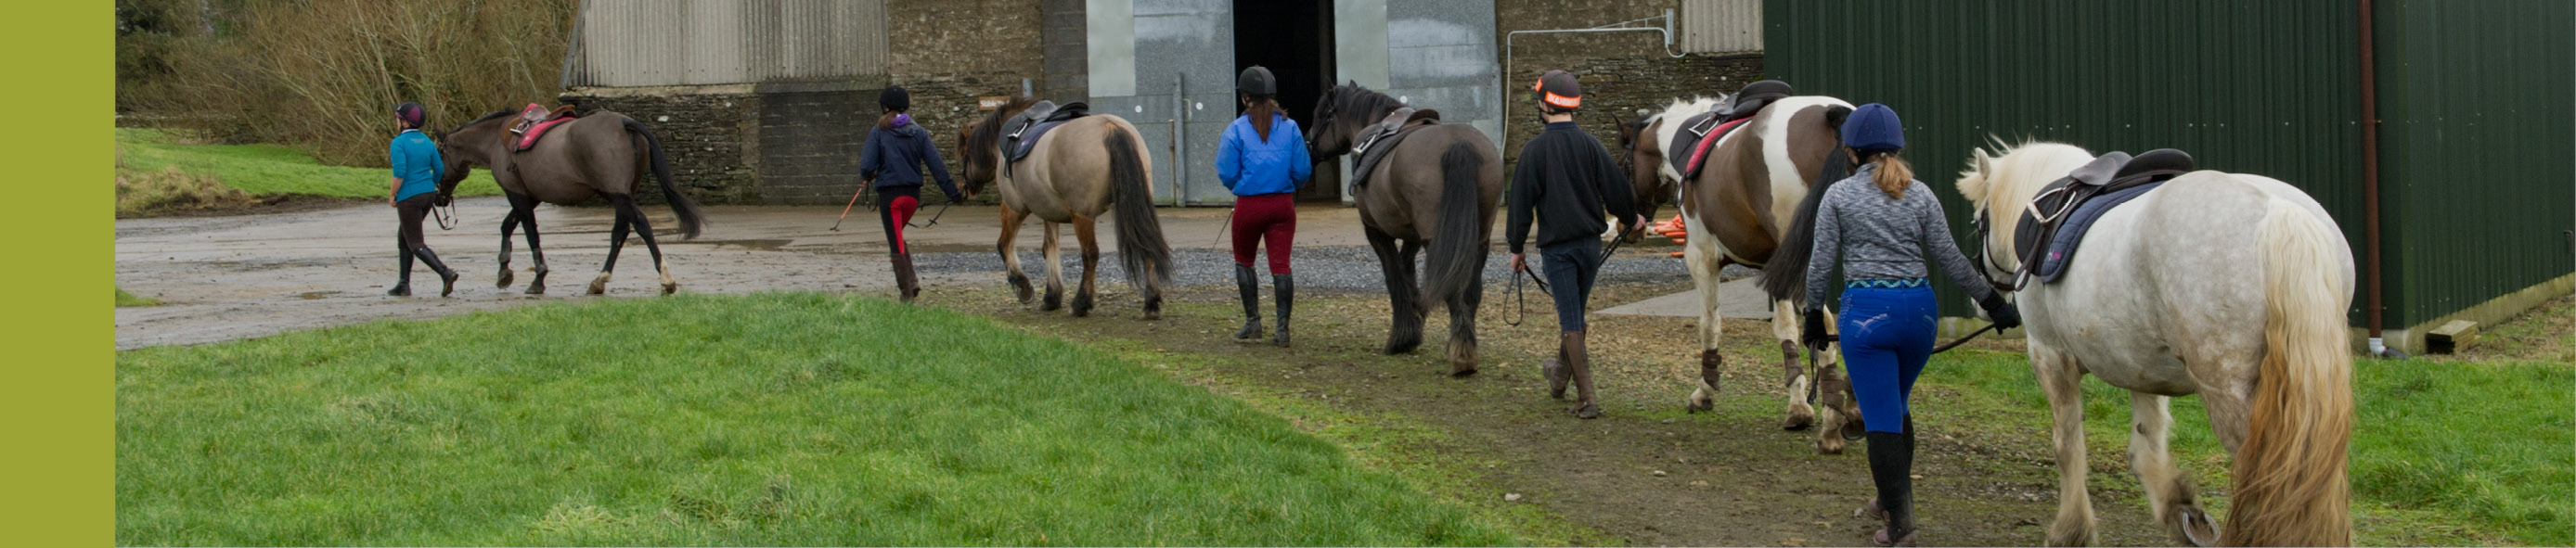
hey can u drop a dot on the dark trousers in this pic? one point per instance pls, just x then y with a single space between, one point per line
1570 268
1267 218
407 236
895 206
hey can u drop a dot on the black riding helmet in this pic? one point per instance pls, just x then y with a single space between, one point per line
1257 82
410 113
894 98
1559 91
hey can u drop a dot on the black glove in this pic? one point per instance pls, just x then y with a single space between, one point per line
1814 334
955 197
442 199
2004 314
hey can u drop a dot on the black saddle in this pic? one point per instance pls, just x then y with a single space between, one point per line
1706 126
2055 221
1375 141
1020 133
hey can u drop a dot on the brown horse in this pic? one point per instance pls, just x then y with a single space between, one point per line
602 154
1737 209
1641 144
1077 172
1438 189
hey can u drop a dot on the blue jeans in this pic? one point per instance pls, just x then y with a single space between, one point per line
1570 268
1887 336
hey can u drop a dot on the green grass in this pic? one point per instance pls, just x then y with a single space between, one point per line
771 419
2494 442
124 299
266 170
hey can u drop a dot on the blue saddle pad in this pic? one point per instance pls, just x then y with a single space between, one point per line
2061 249
1029 140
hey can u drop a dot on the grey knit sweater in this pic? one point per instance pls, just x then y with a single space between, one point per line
1878 237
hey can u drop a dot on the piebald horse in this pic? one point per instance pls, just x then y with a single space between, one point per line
1736 209
1438 189
2225 285
603 154
1087 167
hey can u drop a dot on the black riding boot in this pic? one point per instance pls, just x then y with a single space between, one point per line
1891 465
402 286
1286 289
1249 285
1578 365
906 283
446 277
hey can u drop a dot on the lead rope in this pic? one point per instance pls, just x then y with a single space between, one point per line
1520 303
446 215
934 217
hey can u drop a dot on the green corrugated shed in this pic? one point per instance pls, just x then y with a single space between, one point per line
2477 99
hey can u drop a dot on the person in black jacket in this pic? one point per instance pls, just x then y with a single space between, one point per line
1566 179
896 151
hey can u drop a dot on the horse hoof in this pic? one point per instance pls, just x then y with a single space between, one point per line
598 289
506 277
670 288
534 289
1082 306
1829 445
1800 417
2195 527
1462 373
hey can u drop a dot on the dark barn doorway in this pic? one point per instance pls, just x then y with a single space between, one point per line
1294 39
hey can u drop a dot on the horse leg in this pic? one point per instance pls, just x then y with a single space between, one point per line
616 242
2061 378
1704 267
1082 234
644 228
1054 257
509 224
2170 492
1462 327
1010 250
1786 324
528 217
1408 281
1399 298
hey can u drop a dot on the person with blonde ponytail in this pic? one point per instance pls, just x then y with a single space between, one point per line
1880 224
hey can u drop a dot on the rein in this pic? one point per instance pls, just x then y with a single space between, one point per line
446 215
1520 303
934 217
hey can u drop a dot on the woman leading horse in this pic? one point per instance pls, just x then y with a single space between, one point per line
1262 159
603 154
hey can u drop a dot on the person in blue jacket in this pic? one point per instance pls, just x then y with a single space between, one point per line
417 169
892 163
1262 158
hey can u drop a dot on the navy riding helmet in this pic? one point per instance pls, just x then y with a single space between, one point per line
1872 129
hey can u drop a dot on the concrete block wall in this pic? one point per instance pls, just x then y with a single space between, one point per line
705 132
950 52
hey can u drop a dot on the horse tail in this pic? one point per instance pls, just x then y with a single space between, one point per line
1456 258
1785 276
683 207
1141 248
2291 488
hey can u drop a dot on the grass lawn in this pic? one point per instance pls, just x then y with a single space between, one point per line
772 419
124 299
266 170
2492 441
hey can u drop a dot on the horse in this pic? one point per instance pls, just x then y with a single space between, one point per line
1641 144
2226 285
1737 210
603 154
1437 190
1087 167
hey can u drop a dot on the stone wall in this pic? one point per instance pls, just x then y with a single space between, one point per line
1621 71
950 52
706 132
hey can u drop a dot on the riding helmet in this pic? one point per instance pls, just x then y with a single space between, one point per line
1558 89
410 113
894 98
1873 128
1256 82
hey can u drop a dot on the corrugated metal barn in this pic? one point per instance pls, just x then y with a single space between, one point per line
2476 180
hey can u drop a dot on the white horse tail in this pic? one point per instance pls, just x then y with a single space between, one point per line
2291 488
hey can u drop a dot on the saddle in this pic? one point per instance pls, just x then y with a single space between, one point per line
1373 142
1698 135
529 133
2055 221
1020 133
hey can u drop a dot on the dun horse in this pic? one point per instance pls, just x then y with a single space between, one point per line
1738 209
1075 173
2225 285
1438 190
602 154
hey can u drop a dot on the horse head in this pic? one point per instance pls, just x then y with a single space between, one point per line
1340 114
466 146
981 144
1999 181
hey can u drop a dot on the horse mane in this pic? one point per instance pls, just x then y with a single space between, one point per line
988 131
1360 103
497 114
2004 157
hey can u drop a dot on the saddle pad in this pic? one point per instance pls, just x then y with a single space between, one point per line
1020 134
1380 147
1028 140
1690 147
2061 247
530 139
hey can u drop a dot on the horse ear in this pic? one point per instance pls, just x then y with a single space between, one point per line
1985 163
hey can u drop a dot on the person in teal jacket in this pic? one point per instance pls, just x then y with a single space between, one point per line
417 171
1262 158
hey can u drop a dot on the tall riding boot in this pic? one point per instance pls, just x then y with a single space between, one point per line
1557 373
402 286
1578 362
1891 465
1249 285
446 277
907 284
1285 288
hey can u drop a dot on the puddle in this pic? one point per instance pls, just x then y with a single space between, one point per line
315 295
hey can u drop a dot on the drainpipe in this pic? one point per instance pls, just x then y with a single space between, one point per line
1506 100
2370 190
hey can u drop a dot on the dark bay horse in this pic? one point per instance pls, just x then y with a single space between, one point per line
603 154
1090 166
1438 189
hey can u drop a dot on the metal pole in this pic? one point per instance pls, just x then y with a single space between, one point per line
2370 184
1181 145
